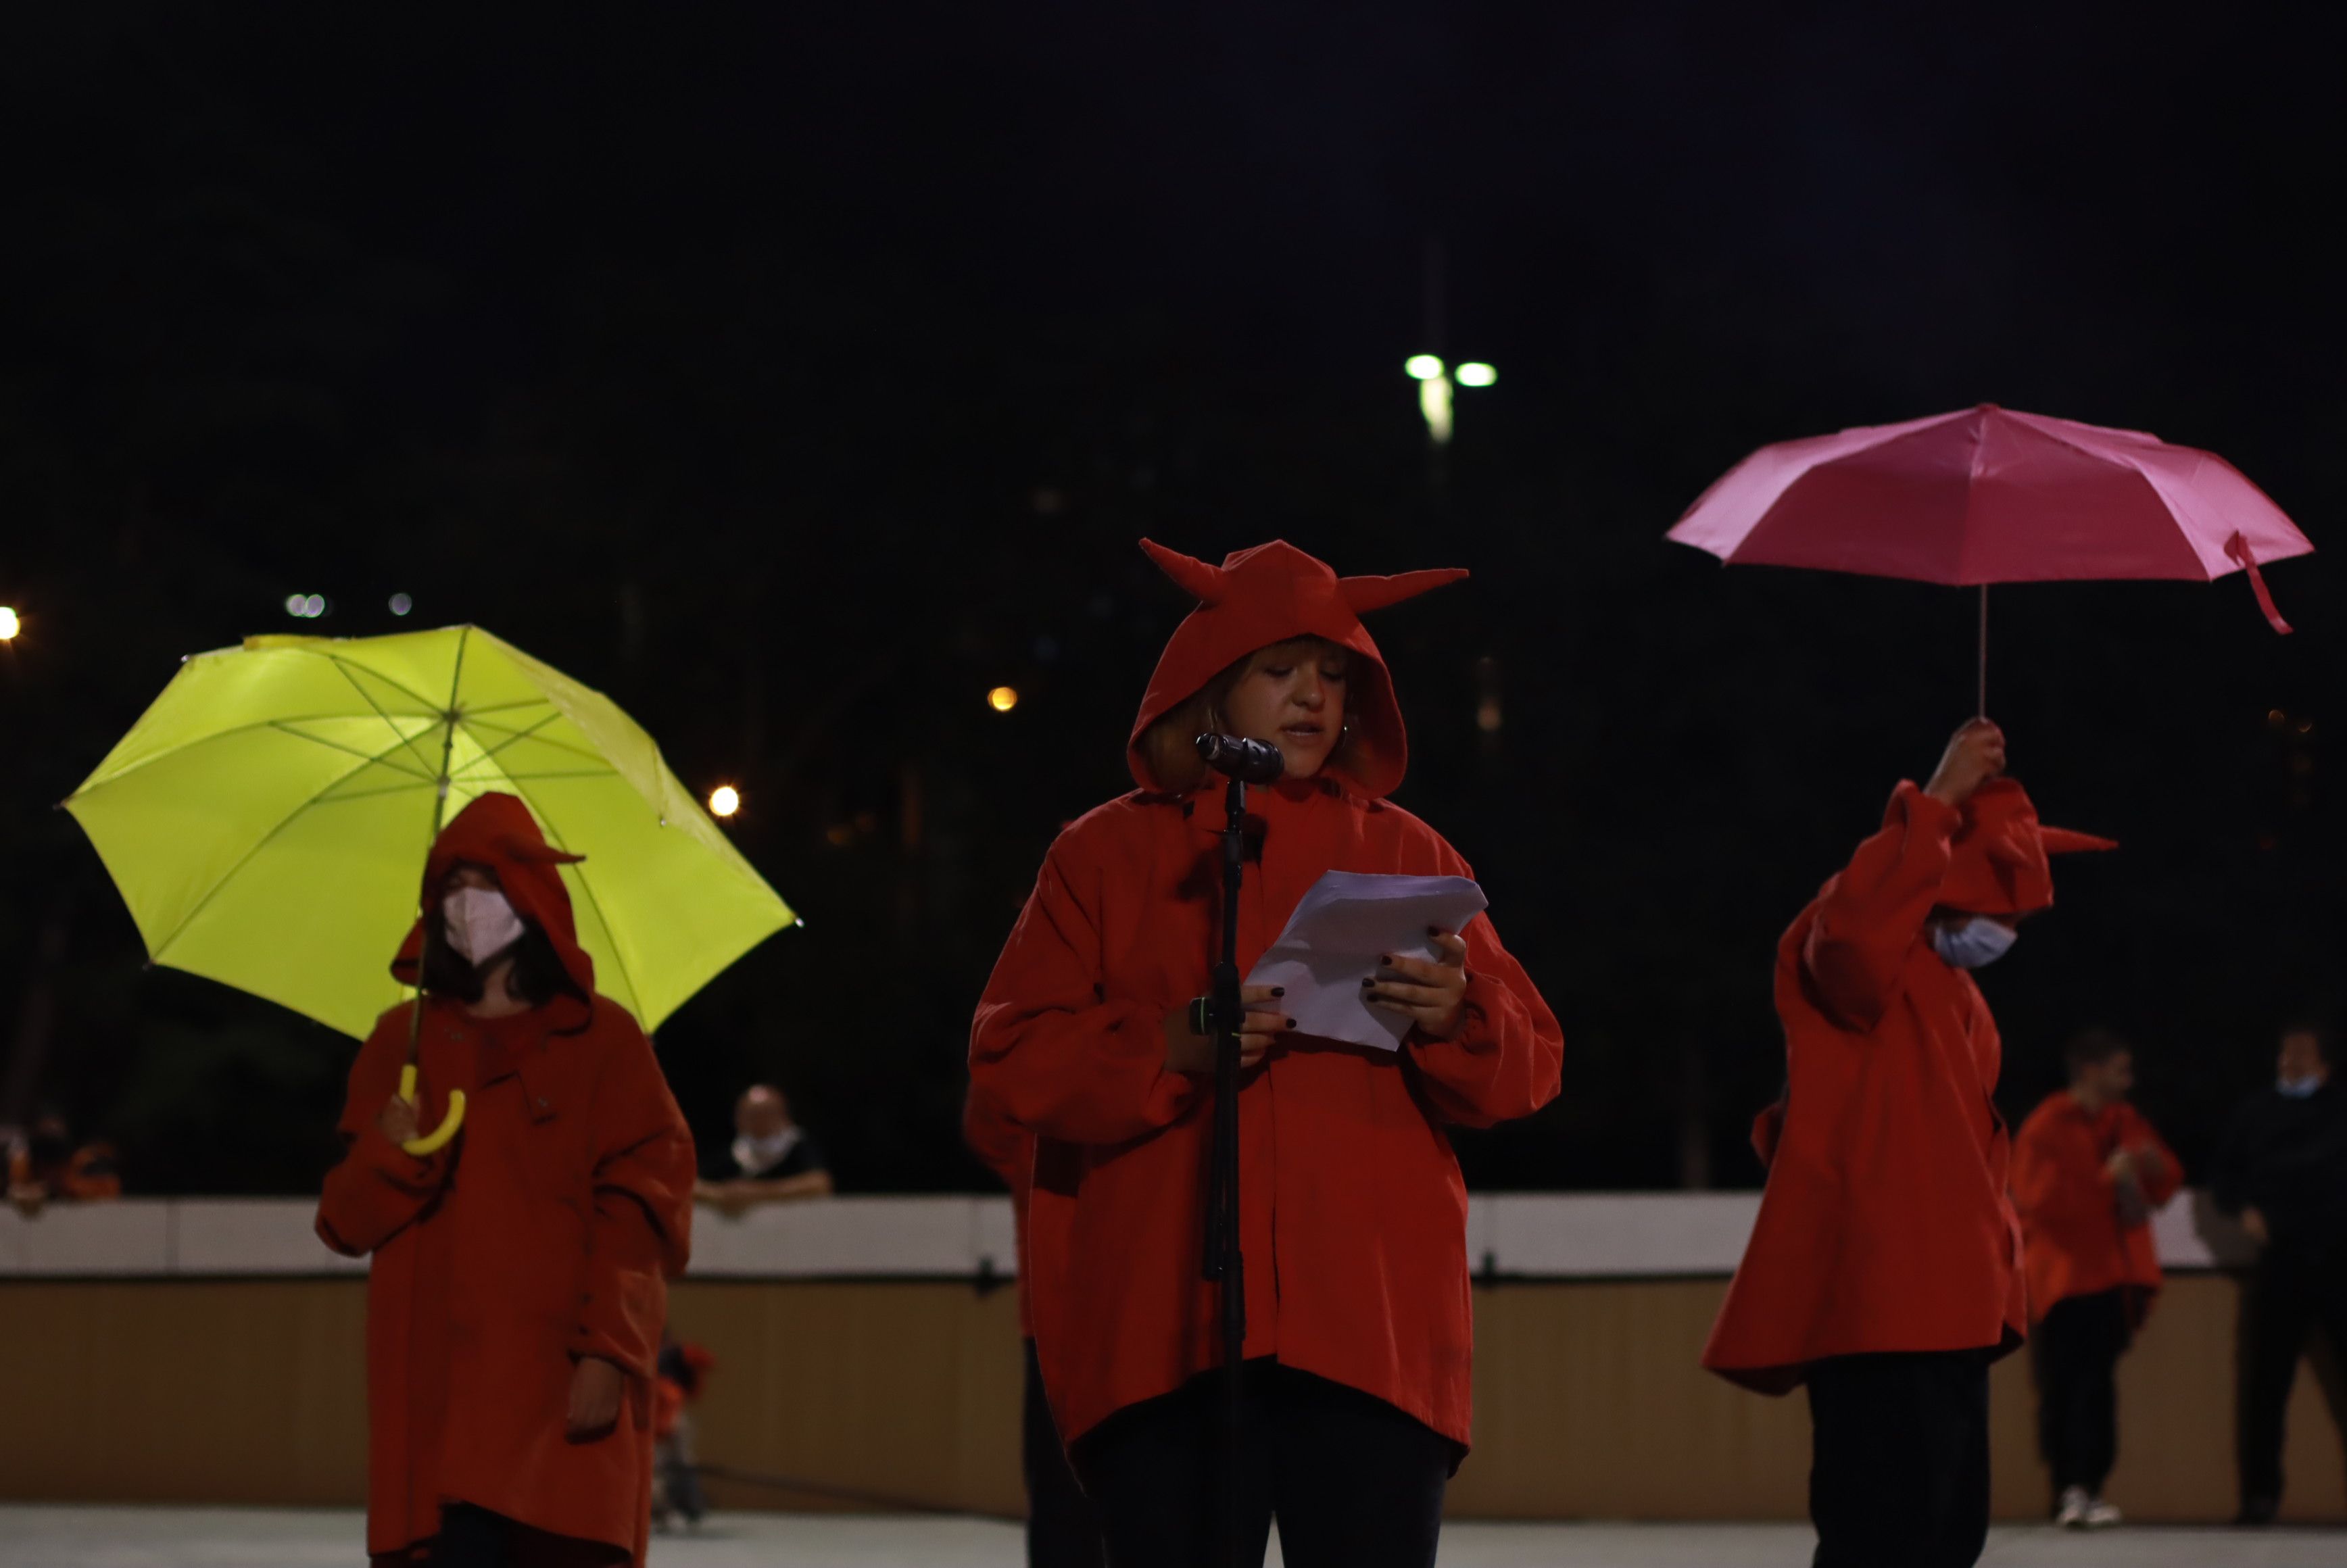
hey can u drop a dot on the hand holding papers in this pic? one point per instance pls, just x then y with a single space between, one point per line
1341 927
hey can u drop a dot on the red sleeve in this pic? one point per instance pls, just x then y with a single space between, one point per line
1508 1058
378 1187
1007 1149
1048 1050
2165 1184
2052 1184
1870 918
642 1231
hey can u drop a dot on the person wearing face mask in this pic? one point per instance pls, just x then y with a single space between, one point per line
1353 1213
2088 1173
1884 1270
519 1274
2280 1168
772 1159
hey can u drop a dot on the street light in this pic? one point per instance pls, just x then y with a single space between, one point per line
1434 387
9 625
1002 699
725 801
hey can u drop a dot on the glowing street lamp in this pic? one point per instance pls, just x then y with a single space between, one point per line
1002 699
1435 383
9 625
725 801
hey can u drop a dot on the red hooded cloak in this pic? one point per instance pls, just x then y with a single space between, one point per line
1353 1212
1886 1224
545 1232
2073 1241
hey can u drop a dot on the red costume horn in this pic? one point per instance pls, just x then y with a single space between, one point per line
1369 593
1193 576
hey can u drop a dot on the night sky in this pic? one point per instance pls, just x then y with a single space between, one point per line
797 378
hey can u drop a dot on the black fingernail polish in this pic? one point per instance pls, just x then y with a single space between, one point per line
1279 991
1366 984
1291 1023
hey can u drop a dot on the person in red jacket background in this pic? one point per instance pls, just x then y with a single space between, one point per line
1062 1529
1885 1269
1358 1325
520 1272
2087 1174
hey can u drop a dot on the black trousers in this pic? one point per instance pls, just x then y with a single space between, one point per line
1062 1528
1355 1483
2287 1294
1899 1458
474 1537
2073 1356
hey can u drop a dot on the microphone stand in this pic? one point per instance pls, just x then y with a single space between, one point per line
1224 1261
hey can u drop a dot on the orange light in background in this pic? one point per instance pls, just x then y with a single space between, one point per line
725 801
1002 699
9 625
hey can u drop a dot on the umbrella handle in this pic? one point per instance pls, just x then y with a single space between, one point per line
431 1143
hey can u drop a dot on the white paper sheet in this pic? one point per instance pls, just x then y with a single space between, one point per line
1342 925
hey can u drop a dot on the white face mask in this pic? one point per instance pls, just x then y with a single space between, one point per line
1975 944
479 923
2298 1087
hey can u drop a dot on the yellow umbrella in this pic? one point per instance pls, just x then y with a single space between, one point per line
267 820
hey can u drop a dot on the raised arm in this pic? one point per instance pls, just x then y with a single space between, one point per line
379 1187
1871 917
1049 1049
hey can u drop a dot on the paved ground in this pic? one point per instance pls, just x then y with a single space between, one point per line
239 1538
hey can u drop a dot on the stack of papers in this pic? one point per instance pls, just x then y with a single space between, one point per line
1343 925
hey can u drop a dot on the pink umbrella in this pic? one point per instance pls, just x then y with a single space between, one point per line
1989 494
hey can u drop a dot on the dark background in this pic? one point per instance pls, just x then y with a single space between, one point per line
797 374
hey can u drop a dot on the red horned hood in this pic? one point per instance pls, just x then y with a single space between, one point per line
1999 862
1270 594
497 831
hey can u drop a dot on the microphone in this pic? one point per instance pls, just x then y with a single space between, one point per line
1249 761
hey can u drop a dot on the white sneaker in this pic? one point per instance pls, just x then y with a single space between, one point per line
2101 1515
2075 1506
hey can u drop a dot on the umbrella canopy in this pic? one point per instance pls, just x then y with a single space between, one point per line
1989 494
267 820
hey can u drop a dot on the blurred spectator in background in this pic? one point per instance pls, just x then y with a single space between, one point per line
2088 1173
683 1375
771 1161
2281 1168
46 1166
1063 1531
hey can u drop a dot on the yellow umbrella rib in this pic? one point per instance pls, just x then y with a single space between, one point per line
512 735
90 788
246 858
344 667
349 751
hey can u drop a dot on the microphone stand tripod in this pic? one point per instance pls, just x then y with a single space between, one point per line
1224 1261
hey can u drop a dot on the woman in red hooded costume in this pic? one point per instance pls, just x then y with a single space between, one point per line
1353 1225
1884 1270
519 1280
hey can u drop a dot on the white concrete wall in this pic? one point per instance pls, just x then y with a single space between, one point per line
1535 1236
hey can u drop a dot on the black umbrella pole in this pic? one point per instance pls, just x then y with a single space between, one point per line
1982 709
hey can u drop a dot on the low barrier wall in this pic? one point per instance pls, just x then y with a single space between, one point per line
213 1352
